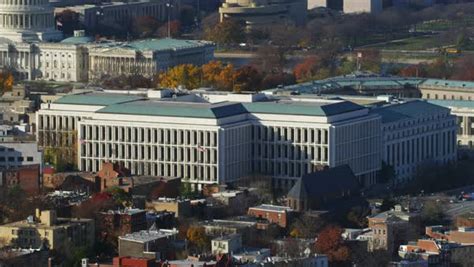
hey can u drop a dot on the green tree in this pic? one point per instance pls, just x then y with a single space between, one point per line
433 213
119 195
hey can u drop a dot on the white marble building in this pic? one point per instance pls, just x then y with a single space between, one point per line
29 45
27 20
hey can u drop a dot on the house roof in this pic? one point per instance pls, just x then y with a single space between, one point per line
319 183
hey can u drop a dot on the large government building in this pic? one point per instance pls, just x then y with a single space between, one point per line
30 45
210 137
264 13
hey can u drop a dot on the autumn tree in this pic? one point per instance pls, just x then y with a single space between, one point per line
145 26
186 75
306 226
273 80
228 32
413 71
330 242
198 238
370 60
312 68
218 75
464 69
6 81
174 29
247 78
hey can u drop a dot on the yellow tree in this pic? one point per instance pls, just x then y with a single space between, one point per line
6 81
218 75
186 75
197 236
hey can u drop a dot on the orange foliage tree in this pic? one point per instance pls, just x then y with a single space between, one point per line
330 242
247 78
306 69
6 81
218 75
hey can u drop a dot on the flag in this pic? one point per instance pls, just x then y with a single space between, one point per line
202 149
82 141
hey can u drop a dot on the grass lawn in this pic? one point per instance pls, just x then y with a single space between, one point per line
412 43
445 25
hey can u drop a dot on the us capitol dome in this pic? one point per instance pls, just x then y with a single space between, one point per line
28 21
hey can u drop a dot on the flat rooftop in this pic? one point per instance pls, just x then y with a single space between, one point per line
145 236
96 99
193 106
269 207
407 110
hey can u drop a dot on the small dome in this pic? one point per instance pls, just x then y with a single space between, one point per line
78 40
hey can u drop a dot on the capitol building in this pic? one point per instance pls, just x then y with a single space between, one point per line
32 47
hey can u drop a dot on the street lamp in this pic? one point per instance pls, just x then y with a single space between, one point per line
169 6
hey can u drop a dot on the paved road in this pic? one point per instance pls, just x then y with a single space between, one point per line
460 208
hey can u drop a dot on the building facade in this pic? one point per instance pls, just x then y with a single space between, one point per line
15 154
109 13
29 44
415 133
80 59
363 6
435 89
26 177
62 234
264 13
215 143
464 112
279 215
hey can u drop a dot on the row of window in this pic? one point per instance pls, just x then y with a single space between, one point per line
16 159
151 153
295 135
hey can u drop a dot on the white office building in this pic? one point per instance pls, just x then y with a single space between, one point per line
414 133
208 140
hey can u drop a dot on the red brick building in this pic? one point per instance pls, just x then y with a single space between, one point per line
152 187
27 177
280 215
122 222
111 174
